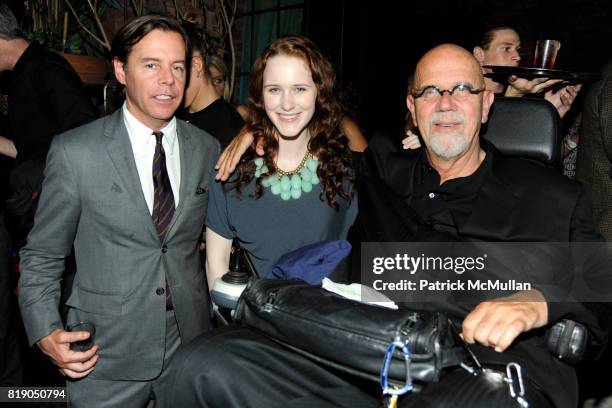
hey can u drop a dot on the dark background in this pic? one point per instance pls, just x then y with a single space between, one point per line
375 44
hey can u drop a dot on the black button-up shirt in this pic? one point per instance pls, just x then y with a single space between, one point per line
446 206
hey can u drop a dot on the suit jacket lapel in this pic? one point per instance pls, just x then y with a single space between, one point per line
121 154
187 173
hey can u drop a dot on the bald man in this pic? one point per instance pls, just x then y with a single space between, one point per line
460 187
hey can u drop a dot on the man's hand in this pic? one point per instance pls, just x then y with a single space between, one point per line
73 364
497 323
563 98
521 86
233 152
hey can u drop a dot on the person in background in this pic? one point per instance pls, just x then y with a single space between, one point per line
594 164
218 75
357 141
204 107
569 147
130 191
46 97
219 78
594 170
348 99
499 44
11 371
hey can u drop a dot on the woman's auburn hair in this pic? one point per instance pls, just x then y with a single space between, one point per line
328 143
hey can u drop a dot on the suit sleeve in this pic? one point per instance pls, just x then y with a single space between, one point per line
49 243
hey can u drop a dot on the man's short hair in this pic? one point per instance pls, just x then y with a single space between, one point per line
130 34
9 28
487 33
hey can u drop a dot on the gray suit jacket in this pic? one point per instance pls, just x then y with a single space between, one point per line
92 198
594 163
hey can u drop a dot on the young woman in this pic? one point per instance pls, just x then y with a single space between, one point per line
301 190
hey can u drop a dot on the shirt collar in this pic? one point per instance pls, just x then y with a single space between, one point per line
426 174
141 134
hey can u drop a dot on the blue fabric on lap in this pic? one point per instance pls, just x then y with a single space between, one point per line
310 263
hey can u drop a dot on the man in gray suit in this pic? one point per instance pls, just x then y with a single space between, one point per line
130 192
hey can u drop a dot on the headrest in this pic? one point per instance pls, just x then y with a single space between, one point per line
525 127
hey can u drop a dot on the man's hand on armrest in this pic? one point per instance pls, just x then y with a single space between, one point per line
498 322
73 364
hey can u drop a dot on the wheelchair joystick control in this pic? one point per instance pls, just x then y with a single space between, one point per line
567 340
228 288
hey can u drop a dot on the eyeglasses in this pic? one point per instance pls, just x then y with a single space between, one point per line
458 92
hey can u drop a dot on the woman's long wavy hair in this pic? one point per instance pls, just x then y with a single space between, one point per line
328 143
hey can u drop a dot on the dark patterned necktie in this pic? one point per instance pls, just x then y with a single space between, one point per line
163 201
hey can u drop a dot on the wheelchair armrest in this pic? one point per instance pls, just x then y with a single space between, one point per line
567 340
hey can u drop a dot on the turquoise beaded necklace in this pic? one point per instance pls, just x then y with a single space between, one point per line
290 184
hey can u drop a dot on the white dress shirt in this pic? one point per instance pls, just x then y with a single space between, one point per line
143 146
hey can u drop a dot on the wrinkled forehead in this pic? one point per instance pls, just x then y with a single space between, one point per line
447 70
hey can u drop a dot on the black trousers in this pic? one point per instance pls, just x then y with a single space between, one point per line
238 367
10 353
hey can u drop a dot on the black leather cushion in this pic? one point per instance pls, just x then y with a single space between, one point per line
525 127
